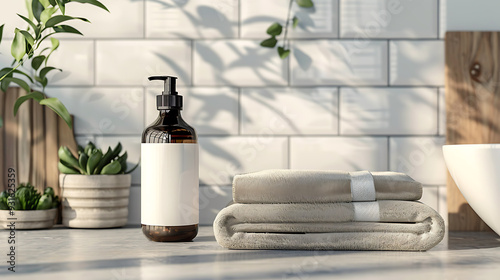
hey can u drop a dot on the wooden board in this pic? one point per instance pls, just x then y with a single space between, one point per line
38 169
29 141
2 167
472 107
51 147
10 131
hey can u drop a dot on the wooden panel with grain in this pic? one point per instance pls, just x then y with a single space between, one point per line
29 141
2 167
10 131
38 147
51 147
472 107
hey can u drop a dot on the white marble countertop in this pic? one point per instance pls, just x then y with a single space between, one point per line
62 253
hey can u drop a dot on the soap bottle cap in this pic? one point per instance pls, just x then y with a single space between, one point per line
169 98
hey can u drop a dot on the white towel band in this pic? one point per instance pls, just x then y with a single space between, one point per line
366 212
362 186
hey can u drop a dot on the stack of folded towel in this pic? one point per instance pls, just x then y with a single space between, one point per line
327 210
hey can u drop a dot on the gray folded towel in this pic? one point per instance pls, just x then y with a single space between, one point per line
302 186
379 225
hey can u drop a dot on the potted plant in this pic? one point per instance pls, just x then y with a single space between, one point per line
45 19
31 209
95 187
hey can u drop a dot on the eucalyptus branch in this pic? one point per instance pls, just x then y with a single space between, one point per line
276 28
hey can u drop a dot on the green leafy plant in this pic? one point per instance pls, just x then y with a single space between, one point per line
27 197
276 29
45 18
91 161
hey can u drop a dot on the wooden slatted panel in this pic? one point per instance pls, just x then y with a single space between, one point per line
472 107
29 141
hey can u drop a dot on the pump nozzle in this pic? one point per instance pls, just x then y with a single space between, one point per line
169 99
169 83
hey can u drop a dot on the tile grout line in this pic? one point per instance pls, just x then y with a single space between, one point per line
94 84
339 100
388 63
289 152
388 153
438 19
192 63
144 14
239 111
239 19
338 18
438 112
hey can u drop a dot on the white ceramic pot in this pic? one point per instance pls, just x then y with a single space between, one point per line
29 219
95 201
475 169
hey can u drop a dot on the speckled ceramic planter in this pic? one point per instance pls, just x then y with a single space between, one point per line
28 219
95 201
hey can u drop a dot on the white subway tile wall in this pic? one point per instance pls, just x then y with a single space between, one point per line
338 62
258 15
191 19
361 89
289 111
388 19
388 111
339 153
442 112
237 63
419 157
417 63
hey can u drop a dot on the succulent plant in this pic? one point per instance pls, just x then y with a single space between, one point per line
27 197
92 161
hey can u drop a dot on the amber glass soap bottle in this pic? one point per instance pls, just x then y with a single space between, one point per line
169 171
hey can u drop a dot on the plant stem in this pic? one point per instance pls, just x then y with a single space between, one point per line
287 22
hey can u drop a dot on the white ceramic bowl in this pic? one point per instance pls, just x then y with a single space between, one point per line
476 171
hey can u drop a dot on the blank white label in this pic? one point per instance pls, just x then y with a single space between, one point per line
169 184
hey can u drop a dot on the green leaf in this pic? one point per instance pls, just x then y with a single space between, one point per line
269 43
28 37
92 2
45 3
55 43
46 70
1 32
47 13
305 3
18 48
275 29
19 82
61 3
4 85
38 96
295 22
111 168
53 2
37 61
66 29
44 82
37 8
60 18
28 21
6 70
55 105
283 52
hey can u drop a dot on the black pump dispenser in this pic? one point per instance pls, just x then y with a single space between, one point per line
169 99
